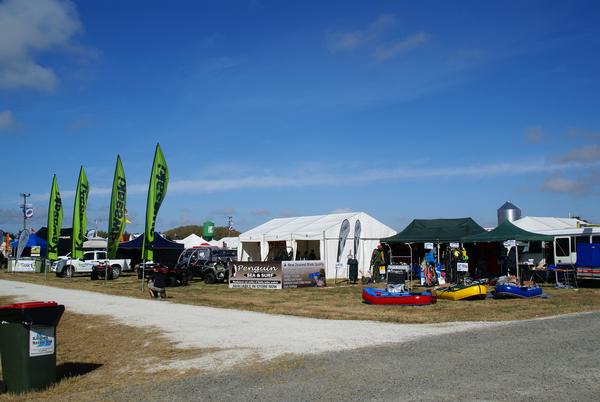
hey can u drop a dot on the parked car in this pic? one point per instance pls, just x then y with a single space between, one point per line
66 266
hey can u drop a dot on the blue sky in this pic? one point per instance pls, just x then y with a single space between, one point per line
268 109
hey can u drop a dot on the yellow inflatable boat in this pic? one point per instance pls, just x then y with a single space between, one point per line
463 292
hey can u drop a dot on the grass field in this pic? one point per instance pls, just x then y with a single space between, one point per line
97 354
337 302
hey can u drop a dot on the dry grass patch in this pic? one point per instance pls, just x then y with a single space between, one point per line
339 302
94 354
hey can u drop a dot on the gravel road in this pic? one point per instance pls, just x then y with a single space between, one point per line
551 360
240 336
293 358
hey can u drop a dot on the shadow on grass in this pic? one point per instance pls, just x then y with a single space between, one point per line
74 369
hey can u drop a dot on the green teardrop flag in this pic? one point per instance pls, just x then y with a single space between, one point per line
55 217
79 215
116 217
157 189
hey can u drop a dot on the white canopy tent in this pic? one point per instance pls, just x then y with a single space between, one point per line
95 243
192 240
315 237
556 226
231 242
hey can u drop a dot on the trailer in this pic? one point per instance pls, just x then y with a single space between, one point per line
588 261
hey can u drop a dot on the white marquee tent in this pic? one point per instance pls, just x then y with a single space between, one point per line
314 237
192 240
556 226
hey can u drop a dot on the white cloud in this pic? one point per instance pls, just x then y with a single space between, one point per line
30 27
7 121
398 47
224 211
586 154
347 41
534 135
372 37
261 212
338 176
577 185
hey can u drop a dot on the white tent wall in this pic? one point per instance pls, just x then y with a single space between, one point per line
365 248
325 229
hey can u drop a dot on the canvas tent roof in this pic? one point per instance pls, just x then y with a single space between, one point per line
506 231
95 243
192 240
232 242
64 232
313 227
32 241
549 225
436 230
160 243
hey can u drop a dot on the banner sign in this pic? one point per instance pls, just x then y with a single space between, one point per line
454 245
41 340
23 238
157 190
300 274
357 230
116 215
35 251
24 266
255 275
462 267
55 217
344 232
510 243
79 215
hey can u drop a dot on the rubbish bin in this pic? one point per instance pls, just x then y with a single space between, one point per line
28 344
352 270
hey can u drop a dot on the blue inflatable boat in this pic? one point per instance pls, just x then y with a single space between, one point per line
513 291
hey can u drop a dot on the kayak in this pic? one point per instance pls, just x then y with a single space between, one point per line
381 296
509 291
463 292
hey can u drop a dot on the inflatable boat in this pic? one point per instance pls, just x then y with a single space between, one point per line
381 296
463 292
508 290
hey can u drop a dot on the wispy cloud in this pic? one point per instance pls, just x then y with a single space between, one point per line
343 41
224 211
398 47
579 186
28 29
534 135
261 212
338 176
375 39
585 154
8 122
584 134
80 124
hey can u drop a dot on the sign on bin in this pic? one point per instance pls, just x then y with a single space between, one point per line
462 267
41 340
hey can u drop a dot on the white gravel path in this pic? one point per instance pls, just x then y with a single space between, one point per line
241 335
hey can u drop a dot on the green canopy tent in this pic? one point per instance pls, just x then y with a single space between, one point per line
436 230
507 231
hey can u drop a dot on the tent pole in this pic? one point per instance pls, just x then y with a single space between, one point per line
517 262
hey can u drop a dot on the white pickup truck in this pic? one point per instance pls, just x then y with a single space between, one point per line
66 267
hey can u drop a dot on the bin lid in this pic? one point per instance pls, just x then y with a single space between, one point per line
26 305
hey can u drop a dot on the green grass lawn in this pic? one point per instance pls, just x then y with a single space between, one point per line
336 302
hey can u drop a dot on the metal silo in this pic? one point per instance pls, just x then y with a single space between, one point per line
508 212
